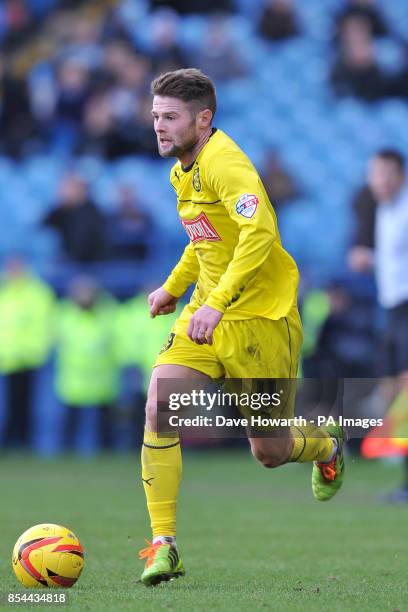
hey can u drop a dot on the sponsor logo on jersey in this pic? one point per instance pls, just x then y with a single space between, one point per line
200 228
247 205
196 179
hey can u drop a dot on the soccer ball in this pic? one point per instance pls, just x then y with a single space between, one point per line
48 555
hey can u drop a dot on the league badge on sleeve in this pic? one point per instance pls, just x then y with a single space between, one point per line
247 205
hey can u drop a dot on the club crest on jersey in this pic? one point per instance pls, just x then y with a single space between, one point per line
247 205
196 179
200 228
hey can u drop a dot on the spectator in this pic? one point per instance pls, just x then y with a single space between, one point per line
339 334
102 136
98 134
116 53
356 72
278 20
87 375
143 137
139 338
17 125
218 56
78 221
26 335
366 10
167 54
279 184
116 121
83 43
131 85
399 81
128 227
73 88
339 342
184 7
19 23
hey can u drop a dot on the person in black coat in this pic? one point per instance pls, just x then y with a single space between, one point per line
355 71
366 10
78 221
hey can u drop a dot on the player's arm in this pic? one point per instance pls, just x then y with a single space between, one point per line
164 300
231 182
231 179
184 273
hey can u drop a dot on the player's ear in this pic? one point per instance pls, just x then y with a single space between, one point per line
205 118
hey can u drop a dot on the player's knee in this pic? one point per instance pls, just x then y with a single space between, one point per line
269 460
273 455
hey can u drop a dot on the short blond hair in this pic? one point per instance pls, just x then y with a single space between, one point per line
189 85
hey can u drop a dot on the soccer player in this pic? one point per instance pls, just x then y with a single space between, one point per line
242 320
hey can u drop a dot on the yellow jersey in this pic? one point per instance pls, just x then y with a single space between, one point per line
235 255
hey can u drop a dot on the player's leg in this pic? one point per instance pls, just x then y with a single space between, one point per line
161 475
181 359
292 444
272 451
322 445
306 443
271 349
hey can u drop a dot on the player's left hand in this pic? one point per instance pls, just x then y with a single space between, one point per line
202 324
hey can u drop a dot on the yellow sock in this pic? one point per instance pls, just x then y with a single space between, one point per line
310 444
161 475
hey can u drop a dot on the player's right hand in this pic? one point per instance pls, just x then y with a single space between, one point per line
161 302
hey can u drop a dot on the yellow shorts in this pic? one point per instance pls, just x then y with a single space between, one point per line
248 348
244 350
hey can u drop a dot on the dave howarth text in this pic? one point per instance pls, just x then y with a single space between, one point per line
222 421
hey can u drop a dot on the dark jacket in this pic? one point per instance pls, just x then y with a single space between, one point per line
81 229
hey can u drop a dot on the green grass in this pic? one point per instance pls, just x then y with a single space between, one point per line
250 538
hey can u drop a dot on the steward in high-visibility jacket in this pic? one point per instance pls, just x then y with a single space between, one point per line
87 373
139 338
26 319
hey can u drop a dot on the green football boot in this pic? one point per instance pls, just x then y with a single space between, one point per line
163 563
327 478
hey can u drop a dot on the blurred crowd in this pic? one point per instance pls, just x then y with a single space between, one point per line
88 235
96 352
87 92
74 83
91 97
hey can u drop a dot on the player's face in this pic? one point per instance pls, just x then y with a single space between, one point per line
175 126
385 178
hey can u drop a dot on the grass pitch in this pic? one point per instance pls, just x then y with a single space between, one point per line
250 538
